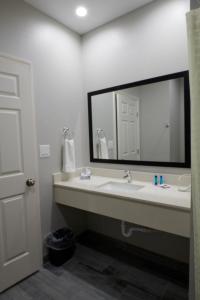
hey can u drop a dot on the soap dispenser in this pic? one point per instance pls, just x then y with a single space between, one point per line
155 180
161 180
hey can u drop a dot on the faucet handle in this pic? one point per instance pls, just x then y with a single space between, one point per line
127 173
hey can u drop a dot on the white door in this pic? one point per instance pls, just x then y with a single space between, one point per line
128 127
20 239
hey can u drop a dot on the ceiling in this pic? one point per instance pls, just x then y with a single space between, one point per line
99 11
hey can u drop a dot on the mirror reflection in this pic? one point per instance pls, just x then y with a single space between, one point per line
141 123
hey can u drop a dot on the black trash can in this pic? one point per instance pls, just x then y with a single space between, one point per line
61 246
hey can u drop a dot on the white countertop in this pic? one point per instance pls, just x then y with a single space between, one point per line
149 194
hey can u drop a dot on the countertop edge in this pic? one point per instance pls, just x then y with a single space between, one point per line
127 198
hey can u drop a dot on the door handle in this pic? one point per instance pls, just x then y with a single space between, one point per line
30 182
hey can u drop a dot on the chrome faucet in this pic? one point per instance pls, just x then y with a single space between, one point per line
128 175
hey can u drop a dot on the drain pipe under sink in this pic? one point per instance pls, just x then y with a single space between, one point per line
130 231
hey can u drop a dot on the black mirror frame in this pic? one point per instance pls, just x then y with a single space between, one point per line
187 163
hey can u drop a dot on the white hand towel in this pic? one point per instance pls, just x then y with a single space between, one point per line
69 162
103 148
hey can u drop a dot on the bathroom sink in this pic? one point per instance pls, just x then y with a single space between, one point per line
118 187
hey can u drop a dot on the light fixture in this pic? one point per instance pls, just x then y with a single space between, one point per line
81 11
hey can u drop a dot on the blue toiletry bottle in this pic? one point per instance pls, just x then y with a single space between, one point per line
155 180
161 180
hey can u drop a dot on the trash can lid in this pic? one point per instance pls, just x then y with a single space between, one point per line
60 239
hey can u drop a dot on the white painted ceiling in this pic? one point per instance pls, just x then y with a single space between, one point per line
99 11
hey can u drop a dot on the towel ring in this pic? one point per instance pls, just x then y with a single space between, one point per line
100 133
67 133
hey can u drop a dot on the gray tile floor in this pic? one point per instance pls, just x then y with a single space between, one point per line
91 275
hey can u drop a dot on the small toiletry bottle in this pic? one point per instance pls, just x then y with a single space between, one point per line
161 180
155 180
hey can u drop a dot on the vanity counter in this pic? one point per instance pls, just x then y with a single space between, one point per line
151 206
150 194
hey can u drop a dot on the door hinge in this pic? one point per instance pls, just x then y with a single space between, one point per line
138 151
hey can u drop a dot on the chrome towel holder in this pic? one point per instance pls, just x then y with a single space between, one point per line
67 133
100 133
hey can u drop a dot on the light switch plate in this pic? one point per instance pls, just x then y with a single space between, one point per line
44 151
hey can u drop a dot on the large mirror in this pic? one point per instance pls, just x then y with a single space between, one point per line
145 123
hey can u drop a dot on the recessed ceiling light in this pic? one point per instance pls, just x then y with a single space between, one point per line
81 11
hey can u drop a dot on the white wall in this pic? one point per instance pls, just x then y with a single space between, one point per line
148 42
55 53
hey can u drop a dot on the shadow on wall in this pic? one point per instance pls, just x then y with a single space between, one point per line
162 243
68 216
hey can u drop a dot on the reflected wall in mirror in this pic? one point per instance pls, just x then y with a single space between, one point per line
146 122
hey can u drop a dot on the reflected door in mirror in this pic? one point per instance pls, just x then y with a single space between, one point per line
128 128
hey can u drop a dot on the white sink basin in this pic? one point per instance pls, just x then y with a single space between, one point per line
118 187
